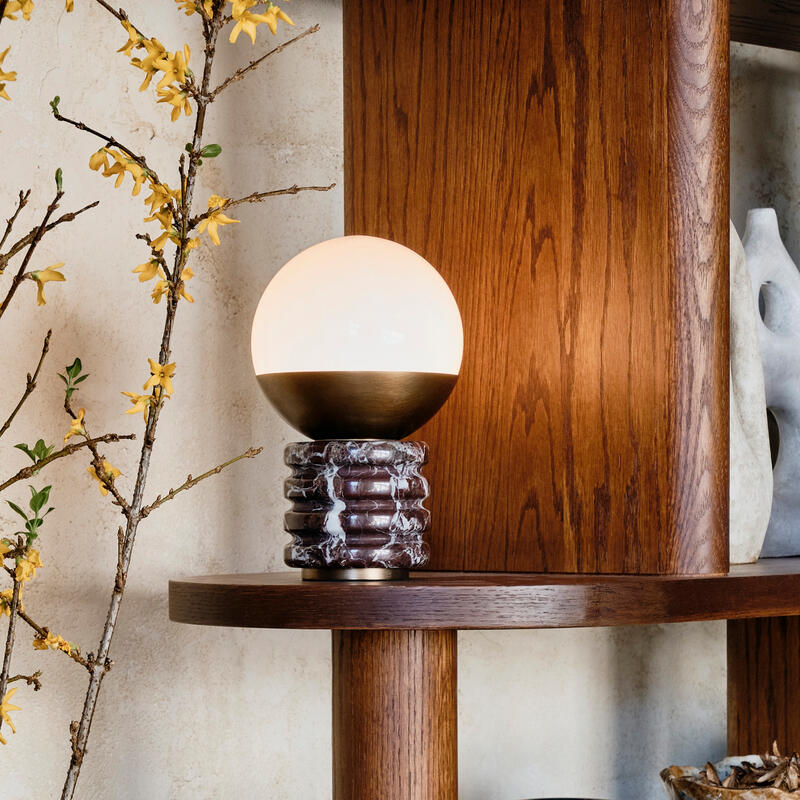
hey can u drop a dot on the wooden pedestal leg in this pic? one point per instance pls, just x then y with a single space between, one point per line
763 684
394 715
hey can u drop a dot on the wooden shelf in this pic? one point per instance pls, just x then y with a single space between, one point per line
453 600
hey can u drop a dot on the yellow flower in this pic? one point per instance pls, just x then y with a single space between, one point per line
4 548
134 38
147 271
160 195
185 276
43 276
27 566
248 22
174 67
111 472
215 218
70 6
159 242
177 98
5 707
140 402
163 217
240 6
50 641
159 290
6 76
160 375
149 64
274 14
5 601
76 426
12 8
99 160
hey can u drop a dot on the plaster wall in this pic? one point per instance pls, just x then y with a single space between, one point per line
202 713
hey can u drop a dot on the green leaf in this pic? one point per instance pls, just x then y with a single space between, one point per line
74 369
81 378
59 177
54 104
38 499
188 147
28 452
63 378
210 151
19 511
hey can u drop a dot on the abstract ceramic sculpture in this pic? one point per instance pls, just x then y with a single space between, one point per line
776 291
357 342
750 465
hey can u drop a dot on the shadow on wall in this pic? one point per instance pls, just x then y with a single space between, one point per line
588 712
765 146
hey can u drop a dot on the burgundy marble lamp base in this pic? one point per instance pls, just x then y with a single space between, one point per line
357 510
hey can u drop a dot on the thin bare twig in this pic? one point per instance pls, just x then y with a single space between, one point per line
37 237
28 238
10 638
242 71
80 729
257 197
31 680
21 203
30 471
30 384
192 481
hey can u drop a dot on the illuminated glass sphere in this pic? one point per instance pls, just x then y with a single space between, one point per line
357 338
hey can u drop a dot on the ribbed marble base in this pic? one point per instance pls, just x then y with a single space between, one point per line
356 505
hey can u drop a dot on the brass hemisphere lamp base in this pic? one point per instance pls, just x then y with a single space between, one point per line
357 512
354 574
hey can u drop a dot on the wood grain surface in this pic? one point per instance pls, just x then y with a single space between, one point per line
772 23
394 715
564 165
763 685
486 600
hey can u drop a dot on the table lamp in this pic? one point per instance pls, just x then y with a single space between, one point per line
357 342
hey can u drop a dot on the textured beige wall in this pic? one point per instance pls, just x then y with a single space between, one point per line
206 713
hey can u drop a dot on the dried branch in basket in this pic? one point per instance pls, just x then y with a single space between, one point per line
776 771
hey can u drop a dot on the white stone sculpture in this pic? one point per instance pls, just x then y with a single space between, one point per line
750 463
776 293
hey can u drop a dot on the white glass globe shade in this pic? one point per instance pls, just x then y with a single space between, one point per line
353 323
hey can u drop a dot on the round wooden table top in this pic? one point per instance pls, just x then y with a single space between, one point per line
457 600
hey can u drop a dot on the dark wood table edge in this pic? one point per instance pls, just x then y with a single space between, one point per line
484 601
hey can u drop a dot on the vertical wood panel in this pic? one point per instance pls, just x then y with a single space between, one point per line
394 715
698 241
763 684
534 156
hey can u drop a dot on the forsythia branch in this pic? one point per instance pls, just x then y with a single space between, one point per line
23 200
37 237
29 471
31 680
28 238
30 384
191 481
242 71
111 142
257 197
